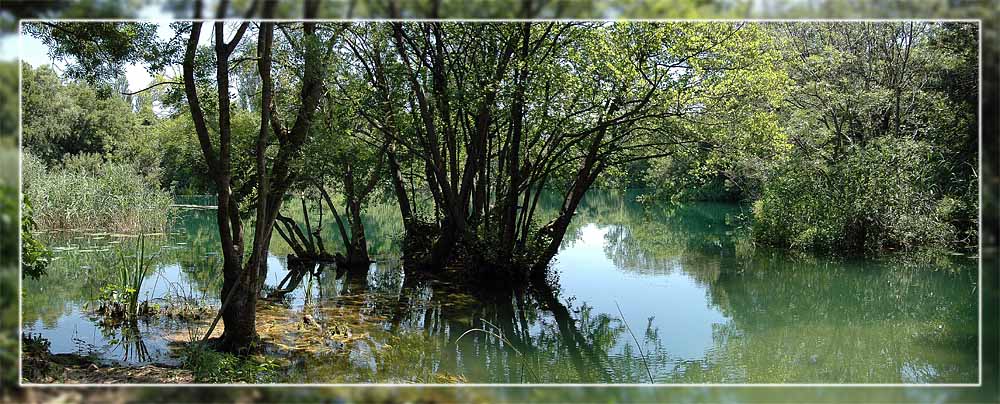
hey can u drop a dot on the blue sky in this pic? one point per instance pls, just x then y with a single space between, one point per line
34 52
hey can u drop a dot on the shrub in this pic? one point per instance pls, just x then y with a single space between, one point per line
874 198
35 256
94 195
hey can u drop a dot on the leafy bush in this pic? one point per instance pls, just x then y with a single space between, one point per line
94 195
35 256
872 199
686 176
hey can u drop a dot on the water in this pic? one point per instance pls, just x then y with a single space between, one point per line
671 293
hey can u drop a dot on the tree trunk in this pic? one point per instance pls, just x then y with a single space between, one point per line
400 190
240 315
357 248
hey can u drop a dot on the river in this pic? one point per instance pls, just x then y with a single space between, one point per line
668 293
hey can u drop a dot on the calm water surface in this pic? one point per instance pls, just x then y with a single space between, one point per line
672 293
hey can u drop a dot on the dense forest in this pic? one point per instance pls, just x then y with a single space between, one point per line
856 138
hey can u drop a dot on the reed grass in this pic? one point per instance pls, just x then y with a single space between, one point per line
131 274
119 301
109 197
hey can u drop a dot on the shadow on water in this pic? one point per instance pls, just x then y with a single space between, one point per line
702 305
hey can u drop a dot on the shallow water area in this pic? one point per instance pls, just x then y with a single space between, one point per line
645 293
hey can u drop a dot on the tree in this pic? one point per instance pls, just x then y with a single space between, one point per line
271 175
69 119
881 135
496 113
343 155
243 280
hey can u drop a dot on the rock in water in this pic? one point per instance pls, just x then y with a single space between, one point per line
309 320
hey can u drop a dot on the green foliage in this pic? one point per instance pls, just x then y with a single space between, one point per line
96 50
106 195
183 168
35 256
682 177
72 118
876 198
821 143
883 143
211 366
9 110
72 125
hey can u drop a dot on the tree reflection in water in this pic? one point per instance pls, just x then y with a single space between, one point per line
775 317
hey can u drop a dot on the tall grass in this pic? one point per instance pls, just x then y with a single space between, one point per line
119 300
131 274
106 196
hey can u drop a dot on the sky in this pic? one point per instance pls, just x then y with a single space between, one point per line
34 52
9 41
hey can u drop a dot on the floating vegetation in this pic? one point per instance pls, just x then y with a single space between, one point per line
290 331
186 311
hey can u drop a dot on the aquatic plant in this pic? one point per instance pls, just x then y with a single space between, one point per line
120 300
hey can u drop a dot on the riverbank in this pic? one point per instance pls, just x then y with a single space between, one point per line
39 365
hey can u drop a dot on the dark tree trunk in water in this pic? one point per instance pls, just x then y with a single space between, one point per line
242 281
402 200
484 206
358 253
585 177
238 293
240 315
556 230
357 248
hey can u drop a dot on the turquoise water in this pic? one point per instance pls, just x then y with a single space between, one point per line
668 293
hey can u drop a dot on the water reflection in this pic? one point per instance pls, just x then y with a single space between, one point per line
697 304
